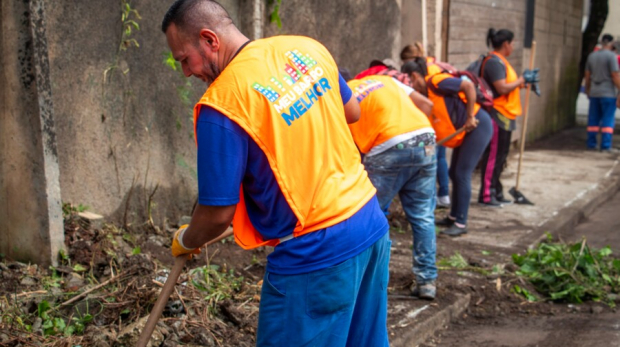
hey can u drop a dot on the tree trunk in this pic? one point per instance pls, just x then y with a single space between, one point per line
599 9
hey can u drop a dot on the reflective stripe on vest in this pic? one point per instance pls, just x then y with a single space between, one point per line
387 111
440 118
509 104
284 92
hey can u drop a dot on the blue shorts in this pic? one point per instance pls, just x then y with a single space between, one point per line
342 305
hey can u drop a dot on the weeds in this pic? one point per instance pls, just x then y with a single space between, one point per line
215 284
69 209
455 261
570 272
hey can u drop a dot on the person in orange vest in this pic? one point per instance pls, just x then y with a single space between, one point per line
416 50
409 53
398 143
277 160
454 105
505 85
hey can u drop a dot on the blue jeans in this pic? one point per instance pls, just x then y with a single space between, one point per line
344 305
410 173
601 116
442 172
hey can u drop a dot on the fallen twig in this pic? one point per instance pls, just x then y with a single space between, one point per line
85 293
29 293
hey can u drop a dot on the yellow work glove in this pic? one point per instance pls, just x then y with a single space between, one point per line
177 245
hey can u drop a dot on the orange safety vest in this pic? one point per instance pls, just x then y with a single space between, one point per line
509 104
387 111
431 67
284 92
440 118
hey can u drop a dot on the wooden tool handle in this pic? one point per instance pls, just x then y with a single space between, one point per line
162 300
449 137
525 111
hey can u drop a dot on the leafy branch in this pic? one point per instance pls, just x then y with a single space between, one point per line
573 272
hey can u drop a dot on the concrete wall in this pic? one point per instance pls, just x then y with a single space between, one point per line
411 23
557 32
30 206
612 25
123 131
355 32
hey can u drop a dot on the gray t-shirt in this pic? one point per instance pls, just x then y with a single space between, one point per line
494 70
601 64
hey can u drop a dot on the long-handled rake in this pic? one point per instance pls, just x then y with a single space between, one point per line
166 291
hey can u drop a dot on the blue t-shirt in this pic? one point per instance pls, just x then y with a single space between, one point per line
455 106
228 156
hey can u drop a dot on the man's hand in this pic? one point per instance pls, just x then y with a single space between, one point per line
177 244
470 124
618 101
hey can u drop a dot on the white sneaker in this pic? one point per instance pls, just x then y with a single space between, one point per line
443 201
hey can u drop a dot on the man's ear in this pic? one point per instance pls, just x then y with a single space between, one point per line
211 39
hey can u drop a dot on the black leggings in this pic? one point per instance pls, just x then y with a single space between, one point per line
464 161
492 164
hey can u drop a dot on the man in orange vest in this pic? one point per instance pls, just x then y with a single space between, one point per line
276 158
398 143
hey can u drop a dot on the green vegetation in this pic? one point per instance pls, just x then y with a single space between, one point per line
570 272
274 16
215 284
69 209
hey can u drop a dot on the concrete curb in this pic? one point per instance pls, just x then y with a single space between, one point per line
577 209
425 329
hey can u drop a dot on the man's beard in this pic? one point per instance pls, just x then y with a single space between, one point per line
209 66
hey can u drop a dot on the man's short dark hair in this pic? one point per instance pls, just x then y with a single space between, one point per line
607 39
195 14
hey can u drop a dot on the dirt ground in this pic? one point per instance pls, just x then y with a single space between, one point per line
217 299
215 318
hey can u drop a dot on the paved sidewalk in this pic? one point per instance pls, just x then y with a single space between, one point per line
565 182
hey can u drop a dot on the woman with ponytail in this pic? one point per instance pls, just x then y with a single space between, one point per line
454 100
505 84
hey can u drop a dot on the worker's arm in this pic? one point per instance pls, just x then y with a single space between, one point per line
208 222
502 87
352 110
587 76
222 157
422 102
469 90
495 74
351 106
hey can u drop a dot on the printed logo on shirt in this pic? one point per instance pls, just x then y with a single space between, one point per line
364 89
298 88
